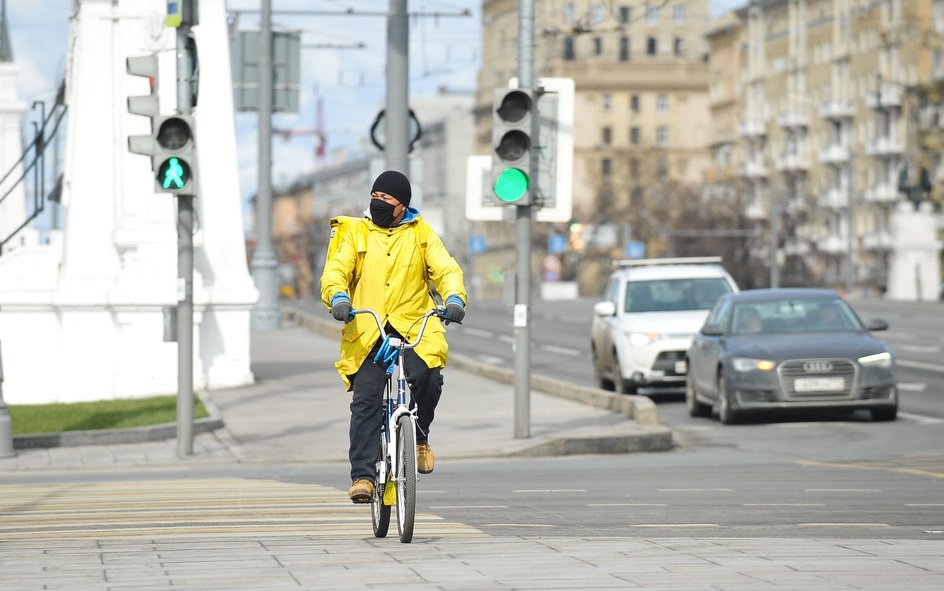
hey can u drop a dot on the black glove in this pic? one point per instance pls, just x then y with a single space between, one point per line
454 313
342 311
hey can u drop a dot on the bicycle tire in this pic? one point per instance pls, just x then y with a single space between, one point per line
379 513
406 478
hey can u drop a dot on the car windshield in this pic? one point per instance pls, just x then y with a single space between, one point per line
794 315
672 295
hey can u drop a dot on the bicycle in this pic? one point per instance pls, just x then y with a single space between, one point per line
396 467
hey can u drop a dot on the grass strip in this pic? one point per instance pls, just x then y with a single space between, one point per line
121 413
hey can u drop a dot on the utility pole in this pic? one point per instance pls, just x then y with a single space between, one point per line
265 314
6 425
774 237
522 311
397 111
185 251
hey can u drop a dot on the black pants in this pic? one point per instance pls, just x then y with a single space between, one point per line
367 413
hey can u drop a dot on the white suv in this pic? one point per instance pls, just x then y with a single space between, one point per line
651 311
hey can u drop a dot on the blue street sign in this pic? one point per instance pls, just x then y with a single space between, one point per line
476 244
635 249
556 244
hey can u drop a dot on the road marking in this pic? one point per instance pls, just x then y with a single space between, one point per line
924 504
842 490
491 359
519 525
920 365
783 505
933 531
477 332
469 507
626 504
840 524
696 490
912 386
674 525
561 350
923 419
919 348
926 464
506 339
549 490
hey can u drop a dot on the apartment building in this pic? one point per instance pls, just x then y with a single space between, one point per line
814 106
641 104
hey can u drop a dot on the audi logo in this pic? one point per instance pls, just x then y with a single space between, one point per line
818 366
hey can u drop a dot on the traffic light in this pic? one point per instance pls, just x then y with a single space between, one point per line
512 111
171 141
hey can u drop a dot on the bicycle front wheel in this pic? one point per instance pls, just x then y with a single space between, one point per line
406 478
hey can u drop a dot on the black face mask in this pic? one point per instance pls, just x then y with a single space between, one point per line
381 213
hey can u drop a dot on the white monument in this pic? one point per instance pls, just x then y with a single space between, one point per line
12 196
914 272
81 318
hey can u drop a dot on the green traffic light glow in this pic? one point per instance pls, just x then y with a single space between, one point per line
511 185
173 174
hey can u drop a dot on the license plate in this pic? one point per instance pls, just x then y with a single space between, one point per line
819 384
681 366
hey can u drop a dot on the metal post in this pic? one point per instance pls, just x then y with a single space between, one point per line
6 425
522 313
265 314
850 264
184 265
397 110
774 238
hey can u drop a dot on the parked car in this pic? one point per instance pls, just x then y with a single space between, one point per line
778 349
651 311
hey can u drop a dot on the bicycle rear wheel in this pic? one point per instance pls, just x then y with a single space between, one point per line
379 513
406 478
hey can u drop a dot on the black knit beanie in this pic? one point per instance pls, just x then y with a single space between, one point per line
395 184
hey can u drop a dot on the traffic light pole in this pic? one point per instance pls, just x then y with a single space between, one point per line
184 265
397 110
522 312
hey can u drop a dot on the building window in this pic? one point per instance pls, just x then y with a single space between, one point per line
606 167
662 168
634 103
634 168
569 49
678 14
607 103
624 49
634 135
596 14
662 135
652 15
662 103
624 14
635 197
652 46
678 48
569 14
606 135
597 46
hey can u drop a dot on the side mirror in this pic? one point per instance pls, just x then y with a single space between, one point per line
604 309
878 324
712 330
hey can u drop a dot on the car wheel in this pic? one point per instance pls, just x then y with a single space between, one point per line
625 386
884 414
696 408
727 414
601 381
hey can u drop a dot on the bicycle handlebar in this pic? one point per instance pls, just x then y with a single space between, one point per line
437 311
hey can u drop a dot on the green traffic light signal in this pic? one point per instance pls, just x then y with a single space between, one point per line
511 185
173 174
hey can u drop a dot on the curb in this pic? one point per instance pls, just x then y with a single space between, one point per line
641 409
112 436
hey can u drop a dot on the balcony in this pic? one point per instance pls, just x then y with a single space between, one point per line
834 199
793 163
752 129
792 120
834 154
753 169
885 147
836 110
888 97
833 245
883 192
879 241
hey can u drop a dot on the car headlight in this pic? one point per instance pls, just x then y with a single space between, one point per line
877 360
749 364
641 339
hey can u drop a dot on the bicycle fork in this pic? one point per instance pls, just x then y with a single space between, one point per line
396 409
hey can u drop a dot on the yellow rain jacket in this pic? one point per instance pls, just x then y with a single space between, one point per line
392 282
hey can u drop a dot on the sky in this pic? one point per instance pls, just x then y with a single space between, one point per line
444 52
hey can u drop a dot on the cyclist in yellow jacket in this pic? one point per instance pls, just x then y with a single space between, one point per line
393 281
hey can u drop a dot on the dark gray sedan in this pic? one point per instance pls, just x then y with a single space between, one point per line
788 348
